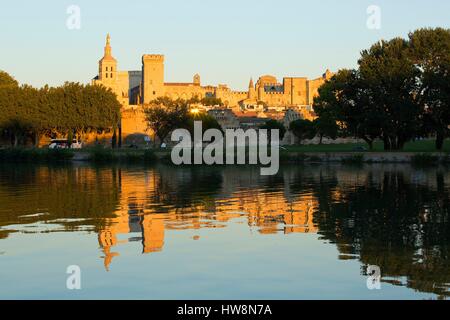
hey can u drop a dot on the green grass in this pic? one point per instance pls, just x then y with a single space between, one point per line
417 146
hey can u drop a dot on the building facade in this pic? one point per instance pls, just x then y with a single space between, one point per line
137 88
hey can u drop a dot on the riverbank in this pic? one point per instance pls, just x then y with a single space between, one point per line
149 156
426 145
366 157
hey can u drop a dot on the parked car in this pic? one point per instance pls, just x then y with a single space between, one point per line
63 144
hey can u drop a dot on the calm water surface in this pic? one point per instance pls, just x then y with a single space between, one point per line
205 233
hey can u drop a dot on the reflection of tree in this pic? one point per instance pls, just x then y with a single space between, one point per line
382 216
398 225
86 193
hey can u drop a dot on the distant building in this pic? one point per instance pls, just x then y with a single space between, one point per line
225 117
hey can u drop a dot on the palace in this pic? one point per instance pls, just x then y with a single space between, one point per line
135 88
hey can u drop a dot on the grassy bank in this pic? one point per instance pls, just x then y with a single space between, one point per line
424 154
96 154
35 155
414 146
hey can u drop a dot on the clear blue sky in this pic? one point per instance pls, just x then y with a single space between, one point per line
225 41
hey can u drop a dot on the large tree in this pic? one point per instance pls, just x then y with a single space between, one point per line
381 99
164 115
343 106
430 52
388 79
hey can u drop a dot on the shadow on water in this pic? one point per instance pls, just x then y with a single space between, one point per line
393 216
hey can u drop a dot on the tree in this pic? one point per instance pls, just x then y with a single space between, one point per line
7 80
211 101
342 100
326 126
27 112
164 115
379 100
387 78
274 124
430 51
208 122
303 129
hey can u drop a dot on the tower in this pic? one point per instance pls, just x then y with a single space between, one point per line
107 66
196 79
152 77
251 90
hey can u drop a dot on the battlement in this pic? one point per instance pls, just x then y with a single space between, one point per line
152 57
273 93
239 92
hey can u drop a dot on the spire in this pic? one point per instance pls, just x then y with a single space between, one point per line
251 90
108 47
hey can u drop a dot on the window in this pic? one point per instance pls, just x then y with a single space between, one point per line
110 75
106 75
111 68
106 68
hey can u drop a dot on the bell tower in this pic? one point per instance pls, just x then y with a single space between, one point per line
107 65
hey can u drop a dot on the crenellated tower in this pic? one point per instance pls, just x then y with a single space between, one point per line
152 77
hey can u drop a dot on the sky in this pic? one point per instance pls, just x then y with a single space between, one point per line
225 41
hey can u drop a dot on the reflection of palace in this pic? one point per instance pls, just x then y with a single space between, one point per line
139 213
392 216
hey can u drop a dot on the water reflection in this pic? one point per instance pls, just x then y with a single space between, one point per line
395 217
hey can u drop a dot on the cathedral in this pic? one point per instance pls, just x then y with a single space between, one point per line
137 88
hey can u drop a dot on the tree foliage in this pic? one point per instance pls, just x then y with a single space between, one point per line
401 90
27 112
274 124
163 115
303 129
430 52
6 80
208 121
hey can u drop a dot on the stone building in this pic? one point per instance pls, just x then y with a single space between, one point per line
136 88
